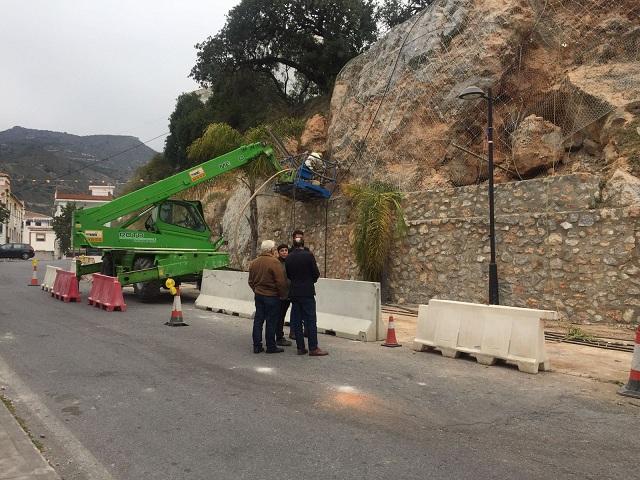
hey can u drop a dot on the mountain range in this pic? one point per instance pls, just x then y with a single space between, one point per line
39 161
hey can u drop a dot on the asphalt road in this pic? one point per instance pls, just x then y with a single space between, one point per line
121 396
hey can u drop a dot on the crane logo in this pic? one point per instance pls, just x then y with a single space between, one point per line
136 237
132 235
94 236
197 174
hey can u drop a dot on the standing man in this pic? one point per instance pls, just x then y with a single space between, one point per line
300 235
269 286
303 272
283 252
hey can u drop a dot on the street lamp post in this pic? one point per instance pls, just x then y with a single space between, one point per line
472 93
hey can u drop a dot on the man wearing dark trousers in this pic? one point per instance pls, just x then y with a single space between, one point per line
303 273
300 235
269 286
283 252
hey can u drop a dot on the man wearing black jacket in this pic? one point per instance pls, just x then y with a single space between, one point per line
302 271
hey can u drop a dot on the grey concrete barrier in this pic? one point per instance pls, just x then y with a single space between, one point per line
487 332
345 308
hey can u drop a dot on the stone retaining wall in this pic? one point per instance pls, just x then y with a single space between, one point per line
558 246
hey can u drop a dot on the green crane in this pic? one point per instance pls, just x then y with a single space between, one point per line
176 241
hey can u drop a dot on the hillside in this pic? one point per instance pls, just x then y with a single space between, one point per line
31 157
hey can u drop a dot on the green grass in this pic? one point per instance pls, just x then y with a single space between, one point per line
576 333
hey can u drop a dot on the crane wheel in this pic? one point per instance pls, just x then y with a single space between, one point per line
146 291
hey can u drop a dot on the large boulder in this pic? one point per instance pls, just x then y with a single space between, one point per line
536 146
314 135
397 104
621 190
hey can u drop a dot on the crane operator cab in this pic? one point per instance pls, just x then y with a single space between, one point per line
176 213
312 177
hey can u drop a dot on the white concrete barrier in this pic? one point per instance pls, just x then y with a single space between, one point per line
226 292
49 278
345 308
350 309
487 332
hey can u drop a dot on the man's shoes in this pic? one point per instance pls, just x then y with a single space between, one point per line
318 353
275 350
302 351
258 349
283 342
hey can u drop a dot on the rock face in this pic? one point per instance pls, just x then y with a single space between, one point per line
314 136
622 189
395 111
537 145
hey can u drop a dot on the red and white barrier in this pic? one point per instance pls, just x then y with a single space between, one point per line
65 286
49 278
106 293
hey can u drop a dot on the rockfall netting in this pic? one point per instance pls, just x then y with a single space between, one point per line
396 115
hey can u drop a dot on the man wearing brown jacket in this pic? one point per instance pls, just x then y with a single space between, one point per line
269 285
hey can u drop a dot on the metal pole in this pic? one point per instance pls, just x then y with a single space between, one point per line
326 230
493 268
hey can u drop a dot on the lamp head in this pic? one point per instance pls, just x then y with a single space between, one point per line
472 93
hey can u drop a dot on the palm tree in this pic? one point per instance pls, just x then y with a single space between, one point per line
379 221
220 138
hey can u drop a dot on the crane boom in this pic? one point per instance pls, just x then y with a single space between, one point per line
166 188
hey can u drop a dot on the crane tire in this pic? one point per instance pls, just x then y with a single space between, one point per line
146 291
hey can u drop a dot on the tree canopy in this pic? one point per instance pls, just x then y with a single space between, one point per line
394 12
300 45
186 123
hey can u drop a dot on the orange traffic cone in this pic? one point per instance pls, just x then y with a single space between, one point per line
391 335
176 319
34 274
632 388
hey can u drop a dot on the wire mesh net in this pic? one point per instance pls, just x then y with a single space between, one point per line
399 119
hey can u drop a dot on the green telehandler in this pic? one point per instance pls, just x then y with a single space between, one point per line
176 241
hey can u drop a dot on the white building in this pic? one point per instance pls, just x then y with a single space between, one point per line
10 230
100 194
38 232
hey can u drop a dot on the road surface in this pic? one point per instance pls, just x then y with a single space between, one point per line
121 396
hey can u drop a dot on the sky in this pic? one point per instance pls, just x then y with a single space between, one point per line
100 66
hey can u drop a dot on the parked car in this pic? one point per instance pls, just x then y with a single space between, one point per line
16 250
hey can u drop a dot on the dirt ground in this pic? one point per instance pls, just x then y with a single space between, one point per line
603 365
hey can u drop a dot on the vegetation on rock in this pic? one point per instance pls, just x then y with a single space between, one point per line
379 220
